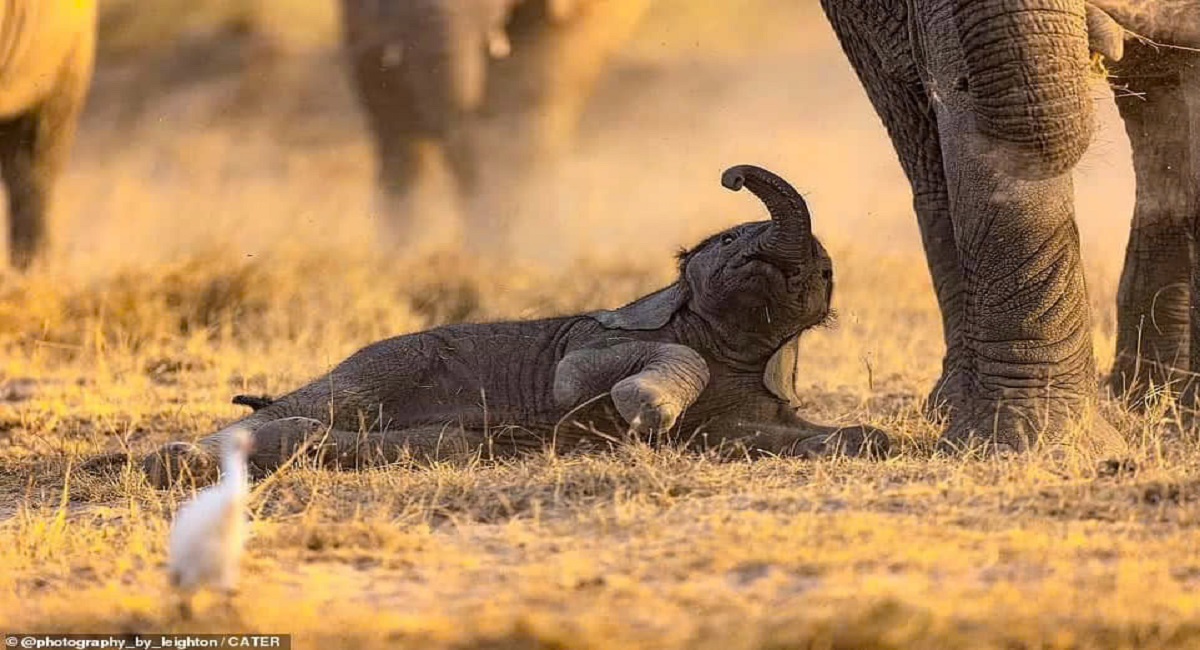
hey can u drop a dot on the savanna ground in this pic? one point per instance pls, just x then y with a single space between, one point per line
214 238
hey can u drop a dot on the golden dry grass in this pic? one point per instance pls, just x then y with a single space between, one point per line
214 239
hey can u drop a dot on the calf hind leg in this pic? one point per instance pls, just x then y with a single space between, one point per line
297 439
279 441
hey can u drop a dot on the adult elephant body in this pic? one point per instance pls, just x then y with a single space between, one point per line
46 53
987 104
446 76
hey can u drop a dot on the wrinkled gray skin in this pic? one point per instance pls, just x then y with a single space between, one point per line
442 78
988 106
46 52
689 364
1158 94
1174 22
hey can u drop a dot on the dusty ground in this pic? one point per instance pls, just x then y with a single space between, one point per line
213 239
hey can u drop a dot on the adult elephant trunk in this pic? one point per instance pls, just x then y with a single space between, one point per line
1026 65
791 238
1173 22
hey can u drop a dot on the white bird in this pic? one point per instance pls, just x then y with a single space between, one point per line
209 532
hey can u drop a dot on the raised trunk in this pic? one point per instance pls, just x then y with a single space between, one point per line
791 238
1027 77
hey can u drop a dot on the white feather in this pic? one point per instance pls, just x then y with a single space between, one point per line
209 533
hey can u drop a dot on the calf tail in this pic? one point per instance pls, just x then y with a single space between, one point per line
255 402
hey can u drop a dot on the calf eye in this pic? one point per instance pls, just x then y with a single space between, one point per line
727 239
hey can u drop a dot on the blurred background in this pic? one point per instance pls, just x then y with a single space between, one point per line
232 123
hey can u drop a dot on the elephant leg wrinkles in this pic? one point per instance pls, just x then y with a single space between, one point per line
1027 329
1016 312
880 47
1153 298
1191 84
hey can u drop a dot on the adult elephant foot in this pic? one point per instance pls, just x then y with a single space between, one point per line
949 391
1141 382
491 215
1028 372
407 226
1065 429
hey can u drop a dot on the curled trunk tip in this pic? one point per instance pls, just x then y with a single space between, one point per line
782 200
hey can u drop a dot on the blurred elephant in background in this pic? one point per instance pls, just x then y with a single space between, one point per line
988 105
435 77
46 53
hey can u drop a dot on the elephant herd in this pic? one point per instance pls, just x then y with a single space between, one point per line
987 103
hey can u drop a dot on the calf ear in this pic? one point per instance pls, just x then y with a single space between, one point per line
649 313
780 374
1105 36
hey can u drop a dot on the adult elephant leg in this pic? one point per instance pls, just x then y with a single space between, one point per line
1028 356
405 154
417 78
463 155
1153 297
555 65
879 46
404 170
1014 114
34 148
28 183
1191 91
535 98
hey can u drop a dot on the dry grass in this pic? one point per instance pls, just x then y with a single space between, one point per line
214 239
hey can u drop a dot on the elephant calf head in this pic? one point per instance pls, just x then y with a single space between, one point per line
756 285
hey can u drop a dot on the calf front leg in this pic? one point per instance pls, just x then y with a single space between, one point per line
790 435
650 383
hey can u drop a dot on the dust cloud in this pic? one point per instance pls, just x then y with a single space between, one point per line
198 146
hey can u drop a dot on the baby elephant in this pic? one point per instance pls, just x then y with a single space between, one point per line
688 364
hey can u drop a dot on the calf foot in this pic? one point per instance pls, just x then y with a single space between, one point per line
277 441
646 406
179 461
851 442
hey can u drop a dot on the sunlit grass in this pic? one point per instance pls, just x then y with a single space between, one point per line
215 238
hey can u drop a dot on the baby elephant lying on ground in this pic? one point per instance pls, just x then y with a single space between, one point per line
689 364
